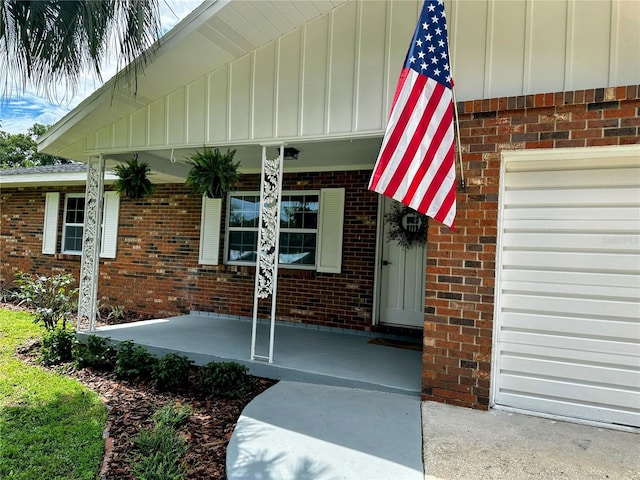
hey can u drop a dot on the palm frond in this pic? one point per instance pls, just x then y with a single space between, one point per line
51 42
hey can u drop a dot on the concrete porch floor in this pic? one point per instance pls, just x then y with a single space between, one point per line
301 354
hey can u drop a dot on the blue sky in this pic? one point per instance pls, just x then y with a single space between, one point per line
19 112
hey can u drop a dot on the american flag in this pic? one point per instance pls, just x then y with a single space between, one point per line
415 165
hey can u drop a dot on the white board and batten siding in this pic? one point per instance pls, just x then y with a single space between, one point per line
335 76
567 318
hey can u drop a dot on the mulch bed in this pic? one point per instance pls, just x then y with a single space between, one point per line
130 405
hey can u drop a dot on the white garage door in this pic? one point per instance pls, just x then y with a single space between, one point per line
567 319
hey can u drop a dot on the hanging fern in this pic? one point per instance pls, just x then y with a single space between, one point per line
132 179
212 173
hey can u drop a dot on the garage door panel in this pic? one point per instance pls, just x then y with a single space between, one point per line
615 376
572 197
572 242
592 213
570 343
564 279
583 356
610 227
595 413
588 178
570 392
567 314
572 290
571 261
585 307
597 328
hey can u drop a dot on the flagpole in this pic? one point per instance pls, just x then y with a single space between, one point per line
463 185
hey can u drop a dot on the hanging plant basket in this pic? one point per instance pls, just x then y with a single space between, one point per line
406 226
212 173
133 181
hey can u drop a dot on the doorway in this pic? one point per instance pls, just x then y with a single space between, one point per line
402 276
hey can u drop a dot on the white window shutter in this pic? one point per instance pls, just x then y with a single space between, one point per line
210 219
111 210
50 231
330 229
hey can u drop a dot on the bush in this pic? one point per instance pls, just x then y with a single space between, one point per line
158 450
57 346
52 298
171 372
134 361
173 416
225 379
96 353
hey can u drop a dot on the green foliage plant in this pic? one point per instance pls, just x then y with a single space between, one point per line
158 450
96 353
212 173
133 181
52 298
134 361
171 372
225 379
57 346
172 415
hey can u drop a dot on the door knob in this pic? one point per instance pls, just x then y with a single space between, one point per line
385 263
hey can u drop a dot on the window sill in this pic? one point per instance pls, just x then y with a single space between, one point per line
69 257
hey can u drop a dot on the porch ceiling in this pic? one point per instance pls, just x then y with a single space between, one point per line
214 34
318 156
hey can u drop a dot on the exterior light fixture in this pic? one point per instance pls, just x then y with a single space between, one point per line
291 153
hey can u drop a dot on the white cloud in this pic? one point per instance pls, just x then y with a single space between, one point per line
19 113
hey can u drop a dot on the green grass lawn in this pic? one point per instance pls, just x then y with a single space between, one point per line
50 425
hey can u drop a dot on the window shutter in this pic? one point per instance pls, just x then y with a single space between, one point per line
111 210
50 230
210 230
330 230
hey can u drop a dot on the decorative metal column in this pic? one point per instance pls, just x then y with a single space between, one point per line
268 244
91 239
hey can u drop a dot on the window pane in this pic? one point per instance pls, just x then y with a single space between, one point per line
244 211
75 210
297 248
299 211
242 246
73 239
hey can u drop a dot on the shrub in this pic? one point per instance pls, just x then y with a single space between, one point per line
133 361
57 346
225 379
96 353
52 298
158 450
171 372
174 416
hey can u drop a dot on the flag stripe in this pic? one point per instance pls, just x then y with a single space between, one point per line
404 160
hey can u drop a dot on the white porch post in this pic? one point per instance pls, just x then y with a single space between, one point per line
91 239
268 244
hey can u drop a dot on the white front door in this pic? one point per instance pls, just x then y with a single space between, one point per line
401 280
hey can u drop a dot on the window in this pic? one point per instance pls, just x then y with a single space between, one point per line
298 228
73 224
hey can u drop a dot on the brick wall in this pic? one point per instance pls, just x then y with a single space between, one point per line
156 271
459 301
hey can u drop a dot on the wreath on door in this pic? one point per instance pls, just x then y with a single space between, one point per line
406 226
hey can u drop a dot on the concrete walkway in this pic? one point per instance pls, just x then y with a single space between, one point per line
296 431
465 444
